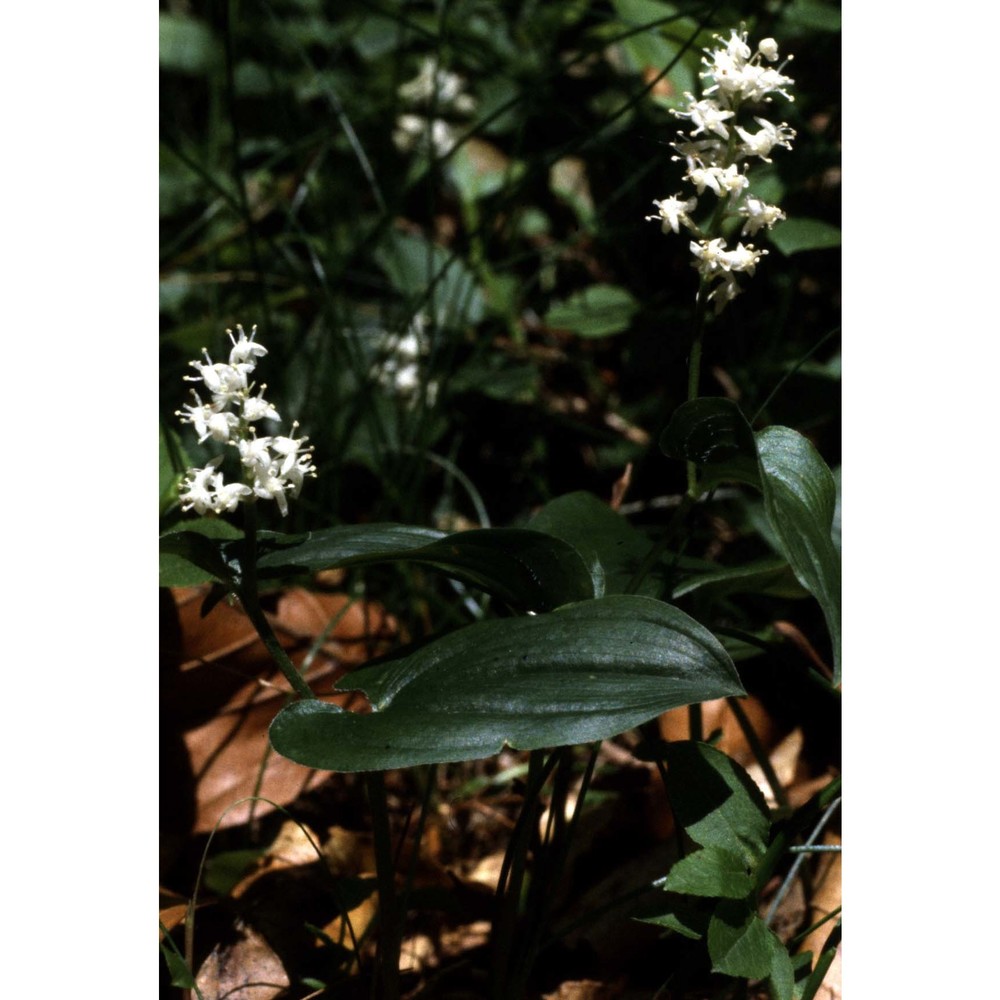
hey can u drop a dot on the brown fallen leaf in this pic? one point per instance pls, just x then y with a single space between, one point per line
173 910
716 714
221 690
294 845
247 969
587 989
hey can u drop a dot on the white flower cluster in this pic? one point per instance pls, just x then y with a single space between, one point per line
435 88
399 368
273 467
735 75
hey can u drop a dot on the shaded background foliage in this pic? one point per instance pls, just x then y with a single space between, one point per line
286 203
554 321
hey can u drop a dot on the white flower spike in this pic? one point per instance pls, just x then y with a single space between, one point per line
735 76
274 468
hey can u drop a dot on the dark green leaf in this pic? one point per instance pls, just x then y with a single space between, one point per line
798 235
815 978
173 462
715 801
763 576
527 569
741 944
192 552
608 544
712 871
346 545
585 672
800 497
800 494
180 974
224 871
597 311
714 434
680 917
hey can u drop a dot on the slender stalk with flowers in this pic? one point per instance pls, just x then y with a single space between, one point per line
737 78
273 467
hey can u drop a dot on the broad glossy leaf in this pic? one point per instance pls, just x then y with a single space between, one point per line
527 569
800 497
342 546
800 493
714 434
585 672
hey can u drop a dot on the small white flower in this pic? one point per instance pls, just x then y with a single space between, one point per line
228 495
245 350
759 216
760 81
435 85
224 382
296 472
707 115
673 212
761 143
768 48
737 48
724 292
709 254
258 408
255 452
268 485
221 427
288 448
721 180
742 258
699 152
194 489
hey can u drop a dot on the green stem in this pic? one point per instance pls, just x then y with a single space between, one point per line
507 957
248 595
694 374
385 984
757 748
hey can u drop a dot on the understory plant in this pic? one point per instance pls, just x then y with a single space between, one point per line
577 633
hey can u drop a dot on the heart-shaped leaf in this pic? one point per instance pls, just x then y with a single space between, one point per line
714 434
585 672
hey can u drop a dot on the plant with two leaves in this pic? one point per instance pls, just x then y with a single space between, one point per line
579 661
